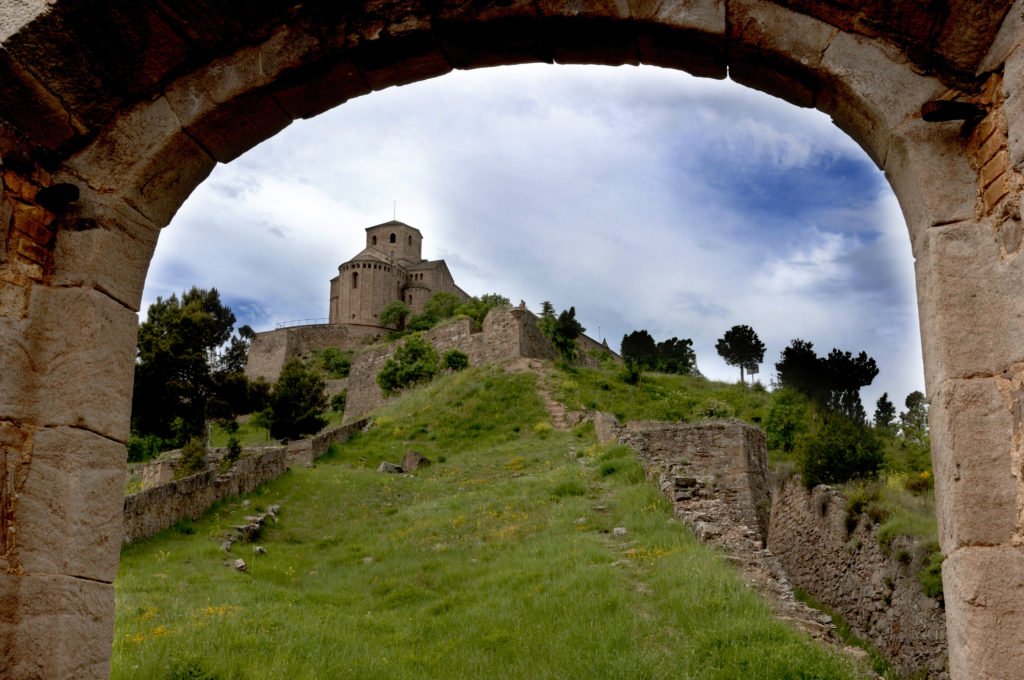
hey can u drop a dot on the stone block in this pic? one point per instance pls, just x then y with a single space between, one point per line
984 594
869 91
319 90
996 192
927 167
399 61
478 33
776 50
106 245
972 431
234 127
971 313
30 108
686 35
69 505
147 159
70 362
589 33
1006 40
55 627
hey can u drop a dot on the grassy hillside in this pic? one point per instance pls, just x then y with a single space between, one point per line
497 561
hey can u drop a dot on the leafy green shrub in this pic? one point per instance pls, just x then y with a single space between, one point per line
190 670
193 459
839 450
455 360
147 447
789 416
335 362
338 401
232 455
297 402
631 374
415 361
715 408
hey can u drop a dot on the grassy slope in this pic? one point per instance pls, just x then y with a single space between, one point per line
497 562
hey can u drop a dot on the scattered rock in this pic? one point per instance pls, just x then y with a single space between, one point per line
581 520
367 560
246 502
599 508
683 482
259 550
239 565
412 460
226 543
390 467
707 530
619 532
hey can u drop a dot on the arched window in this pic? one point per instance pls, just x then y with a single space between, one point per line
392 237
373 241
355 279
410 239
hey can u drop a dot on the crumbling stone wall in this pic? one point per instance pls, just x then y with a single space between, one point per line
725 458
153 510
877 592
269 350
507 333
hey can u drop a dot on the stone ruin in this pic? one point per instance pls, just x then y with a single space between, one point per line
114 113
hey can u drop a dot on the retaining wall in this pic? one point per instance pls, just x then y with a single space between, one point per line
878 594
153 510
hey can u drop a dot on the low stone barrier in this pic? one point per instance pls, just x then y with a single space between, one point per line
715 475
155 509
877 593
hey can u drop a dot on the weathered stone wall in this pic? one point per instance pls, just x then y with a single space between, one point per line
507 333
269 350
725 458
715 474
879 595
154 509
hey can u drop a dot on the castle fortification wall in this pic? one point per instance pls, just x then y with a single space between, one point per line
269 350
715 475
877 592
507 333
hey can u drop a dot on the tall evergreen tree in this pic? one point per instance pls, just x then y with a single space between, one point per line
741 347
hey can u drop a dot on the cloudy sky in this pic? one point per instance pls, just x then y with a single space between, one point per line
644 197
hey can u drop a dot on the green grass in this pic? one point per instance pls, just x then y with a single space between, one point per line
659 396
497 562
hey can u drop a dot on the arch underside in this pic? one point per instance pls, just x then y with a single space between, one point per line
135 102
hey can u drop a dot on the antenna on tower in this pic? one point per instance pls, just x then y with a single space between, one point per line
394 210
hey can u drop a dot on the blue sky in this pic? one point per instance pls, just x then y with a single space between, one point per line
643 197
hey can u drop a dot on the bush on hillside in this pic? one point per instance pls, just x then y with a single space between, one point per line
455 360
338 401
837 450
415 361
147 447
297 402
789 416
193 459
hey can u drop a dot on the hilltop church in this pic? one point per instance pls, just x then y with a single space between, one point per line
390 267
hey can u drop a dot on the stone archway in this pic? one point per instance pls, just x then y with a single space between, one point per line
116 111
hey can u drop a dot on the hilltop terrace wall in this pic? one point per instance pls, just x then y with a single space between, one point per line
507 333
716 477
152 510
878 593
269 350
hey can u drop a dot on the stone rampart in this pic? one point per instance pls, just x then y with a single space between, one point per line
716 477
877 593
155 509
269 350
507 333
725 459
